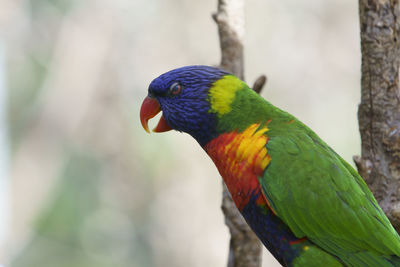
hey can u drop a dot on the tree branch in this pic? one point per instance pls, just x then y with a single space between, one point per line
230 21
379 111
245 248
259 84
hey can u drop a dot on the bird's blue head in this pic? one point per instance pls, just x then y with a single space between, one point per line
183 97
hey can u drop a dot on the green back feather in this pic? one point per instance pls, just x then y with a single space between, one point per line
313 190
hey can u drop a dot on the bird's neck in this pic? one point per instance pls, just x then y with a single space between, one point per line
240 159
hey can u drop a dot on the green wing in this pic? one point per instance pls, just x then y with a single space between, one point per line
321 197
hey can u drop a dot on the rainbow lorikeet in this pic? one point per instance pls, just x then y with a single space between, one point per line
306 204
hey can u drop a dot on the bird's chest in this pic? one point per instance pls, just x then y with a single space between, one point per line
240 158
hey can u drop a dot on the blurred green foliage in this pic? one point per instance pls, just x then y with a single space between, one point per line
58 228
26 78
73 232
63 6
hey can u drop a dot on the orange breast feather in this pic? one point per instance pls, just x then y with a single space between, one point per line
241 158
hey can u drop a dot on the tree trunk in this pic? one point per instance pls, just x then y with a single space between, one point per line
379 111
244 248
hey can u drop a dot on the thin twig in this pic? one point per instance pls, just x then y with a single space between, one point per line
259 84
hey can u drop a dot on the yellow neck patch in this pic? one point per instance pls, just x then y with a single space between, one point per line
222 94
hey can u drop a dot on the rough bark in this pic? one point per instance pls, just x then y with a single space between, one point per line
379 111
244 247
230 21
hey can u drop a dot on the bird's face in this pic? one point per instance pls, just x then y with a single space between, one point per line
183 97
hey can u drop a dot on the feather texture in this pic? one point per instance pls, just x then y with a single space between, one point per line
306 204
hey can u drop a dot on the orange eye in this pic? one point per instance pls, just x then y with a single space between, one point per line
175 89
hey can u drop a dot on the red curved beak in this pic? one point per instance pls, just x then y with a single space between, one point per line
150 108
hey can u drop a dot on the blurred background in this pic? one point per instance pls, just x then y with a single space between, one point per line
82 184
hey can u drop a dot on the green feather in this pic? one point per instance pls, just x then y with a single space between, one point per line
314 191
321 197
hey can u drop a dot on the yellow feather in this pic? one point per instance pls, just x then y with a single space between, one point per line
222 93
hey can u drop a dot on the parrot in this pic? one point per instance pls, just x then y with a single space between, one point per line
307 205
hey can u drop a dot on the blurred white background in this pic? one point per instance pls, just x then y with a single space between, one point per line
82 184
